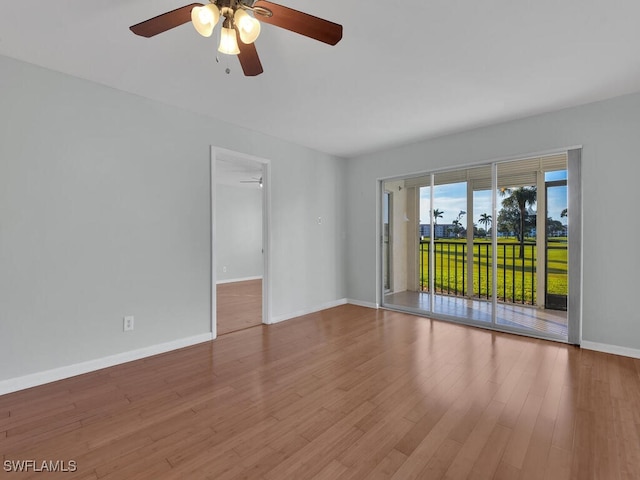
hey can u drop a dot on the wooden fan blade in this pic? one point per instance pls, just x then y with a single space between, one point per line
299 22
164 22
249 59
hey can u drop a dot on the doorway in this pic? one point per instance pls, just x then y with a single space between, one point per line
239 247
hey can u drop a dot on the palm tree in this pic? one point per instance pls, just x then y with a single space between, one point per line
436 215
519 198
457 227
457 223
485 219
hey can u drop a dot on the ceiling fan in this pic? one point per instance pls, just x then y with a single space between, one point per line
241 21
253 180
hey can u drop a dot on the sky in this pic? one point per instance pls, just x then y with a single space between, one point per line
452 198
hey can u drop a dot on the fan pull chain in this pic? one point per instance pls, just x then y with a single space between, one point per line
227 70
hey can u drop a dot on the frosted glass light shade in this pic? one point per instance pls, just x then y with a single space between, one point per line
228 41
248 27
205 18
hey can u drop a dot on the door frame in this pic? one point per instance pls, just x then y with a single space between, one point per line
266 231
387 267
574 185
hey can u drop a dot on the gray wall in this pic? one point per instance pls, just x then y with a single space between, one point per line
608 132
105 212
238 232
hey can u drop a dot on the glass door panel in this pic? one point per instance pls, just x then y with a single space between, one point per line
450 245
481 260
516 247
556 244
425 238
401 244
522 247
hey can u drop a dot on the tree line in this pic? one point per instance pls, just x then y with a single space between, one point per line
516 216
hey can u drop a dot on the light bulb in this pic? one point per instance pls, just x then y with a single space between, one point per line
228 41
205 18
248 27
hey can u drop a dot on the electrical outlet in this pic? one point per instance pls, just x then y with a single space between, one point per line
127 324
224 269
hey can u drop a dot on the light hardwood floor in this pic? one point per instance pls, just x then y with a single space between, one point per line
239 305
348 392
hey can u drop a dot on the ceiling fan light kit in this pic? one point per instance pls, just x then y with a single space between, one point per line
205 18
238 23
228 40
248 27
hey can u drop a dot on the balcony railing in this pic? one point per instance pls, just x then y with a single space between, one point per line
516 276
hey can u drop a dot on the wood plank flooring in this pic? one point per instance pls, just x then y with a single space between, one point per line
347 393
239 305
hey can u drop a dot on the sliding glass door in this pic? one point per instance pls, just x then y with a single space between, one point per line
485 245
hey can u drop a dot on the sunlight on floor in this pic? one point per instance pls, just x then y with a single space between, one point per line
522 317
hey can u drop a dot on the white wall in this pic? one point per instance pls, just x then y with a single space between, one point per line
105 212
238 233
608 132
311 224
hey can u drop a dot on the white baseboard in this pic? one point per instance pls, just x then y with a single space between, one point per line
307 311
47 376
351 301
234 280
615 349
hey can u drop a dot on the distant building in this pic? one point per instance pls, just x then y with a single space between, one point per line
560 232
445 230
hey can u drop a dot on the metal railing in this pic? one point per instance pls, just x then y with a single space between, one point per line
516 277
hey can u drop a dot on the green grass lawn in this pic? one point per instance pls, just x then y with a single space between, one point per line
516 276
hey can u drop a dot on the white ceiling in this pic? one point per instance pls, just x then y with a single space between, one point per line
403 71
